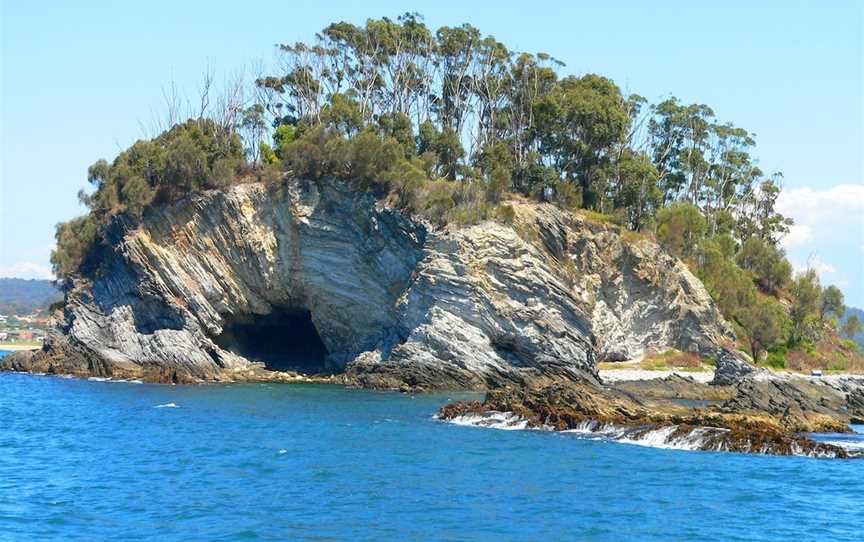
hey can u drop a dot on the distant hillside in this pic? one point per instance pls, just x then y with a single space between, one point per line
22 296
859 338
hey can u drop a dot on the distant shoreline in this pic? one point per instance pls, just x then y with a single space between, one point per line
18 347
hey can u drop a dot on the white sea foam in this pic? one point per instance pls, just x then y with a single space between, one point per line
120 380
848 445
796 450
168 405
492 419
654 438
666 437
283 451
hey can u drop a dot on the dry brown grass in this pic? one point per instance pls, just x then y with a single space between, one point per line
672 359
830 353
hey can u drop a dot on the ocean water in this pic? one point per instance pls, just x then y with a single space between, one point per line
87 460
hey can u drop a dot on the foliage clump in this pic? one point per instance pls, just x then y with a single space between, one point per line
190 157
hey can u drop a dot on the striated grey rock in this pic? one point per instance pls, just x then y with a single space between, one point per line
783 396
394 301
730 368
855 400
852 389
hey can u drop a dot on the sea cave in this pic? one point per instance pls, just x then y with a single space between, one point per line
284 339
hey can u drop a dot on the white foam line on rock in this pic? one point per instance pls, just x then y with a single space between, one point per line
493 420
846 444
661 438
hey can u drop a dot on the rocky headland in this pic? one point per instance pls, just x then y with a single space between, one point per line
311 280
393 300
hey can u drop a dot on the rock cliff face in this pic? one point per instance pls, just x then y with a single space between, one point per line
203 287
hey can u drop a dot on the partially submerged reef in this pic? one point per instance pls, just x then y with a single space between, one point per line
763 414
302 280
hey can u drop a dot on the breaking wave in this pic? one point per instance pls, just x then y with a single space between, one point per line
506 421
107 379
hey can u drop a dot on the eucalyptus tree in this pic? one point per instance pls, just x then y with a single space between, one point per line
633 189
757 212
806 292
831 302
457 49
851 327
577 124
763 320
530 79
731 172
767 262
489 78
680 136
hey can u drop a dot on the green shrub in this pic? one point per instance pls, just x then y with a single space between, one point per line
838 364
499 183
849 344
776 357
506 214
680 228
75 240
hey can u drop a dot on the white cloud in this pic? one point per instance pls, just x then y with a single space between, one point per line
799 235
816 264
27 270
828 274
823 268
823 215
828 231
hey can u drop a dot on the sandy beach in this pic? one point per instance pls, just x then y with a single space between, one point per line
627 374
619 375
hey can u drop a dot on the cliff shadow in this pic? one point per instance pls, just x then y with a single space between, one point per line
284 339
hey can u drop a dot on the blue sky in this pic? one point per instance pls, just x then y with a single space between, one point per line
78 80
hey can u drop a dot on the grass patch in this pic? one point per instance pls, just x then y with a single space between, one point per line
653 364
594 216
616 365
633 236
673 359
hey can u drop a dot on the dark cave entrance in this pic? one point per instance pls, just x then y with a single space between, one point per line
285 339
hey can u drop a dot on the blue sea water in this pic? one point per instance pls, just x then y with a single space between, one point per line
85 460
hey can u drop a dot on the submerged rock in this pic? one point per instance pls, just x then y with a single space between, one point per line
392 302
852 389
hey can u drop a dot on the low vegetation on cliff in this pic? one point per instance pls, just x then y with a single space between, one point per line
450 124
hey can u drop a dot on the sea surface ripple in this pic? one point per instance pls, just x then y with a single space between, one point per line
87 460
